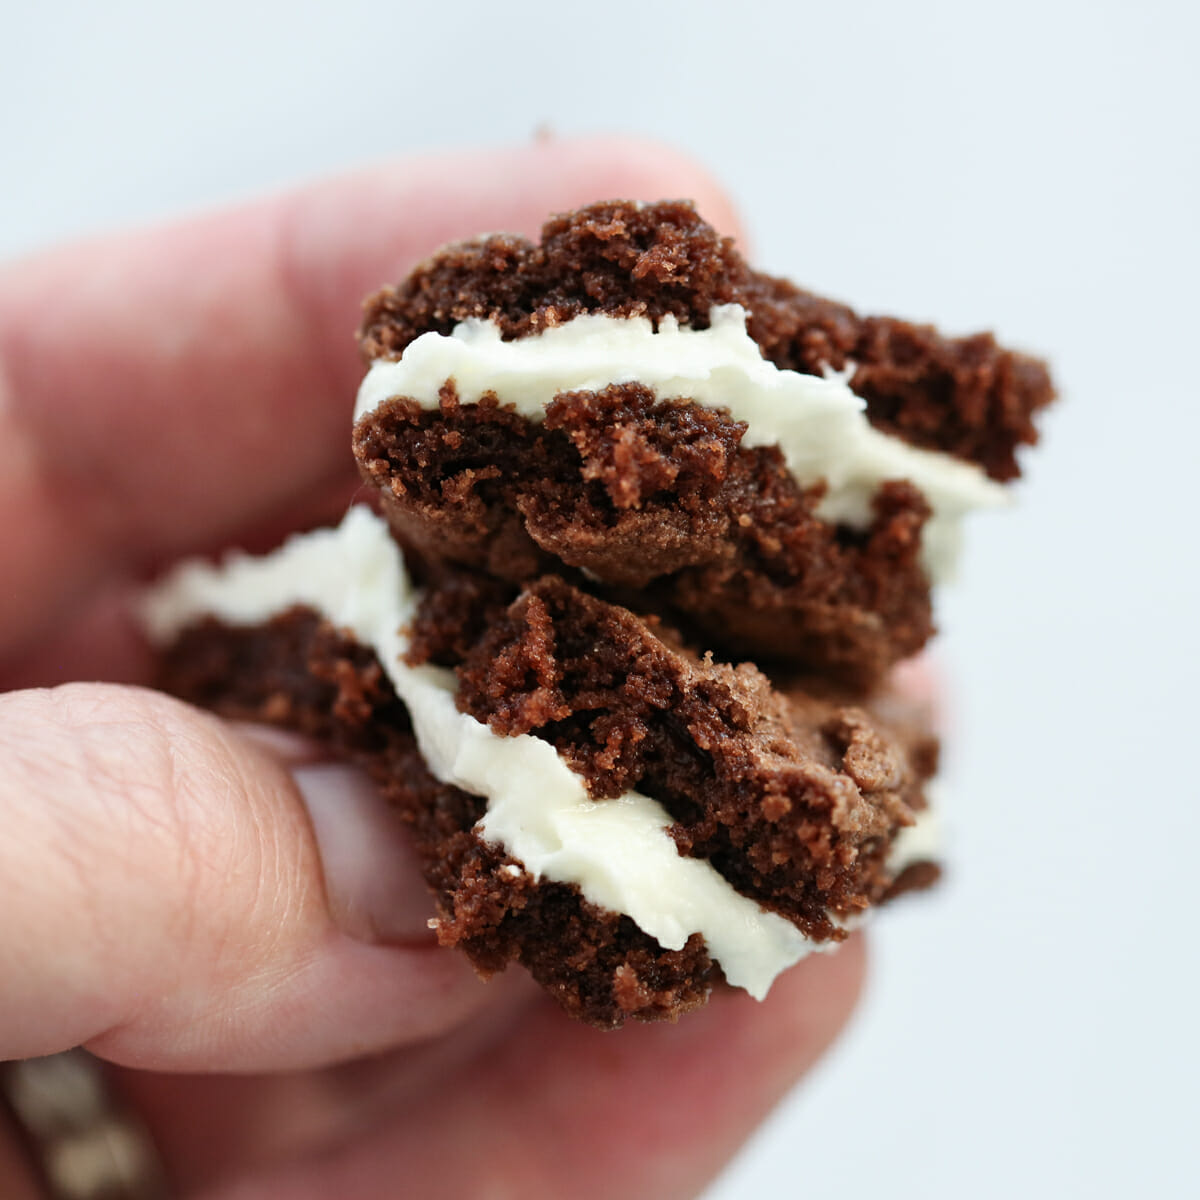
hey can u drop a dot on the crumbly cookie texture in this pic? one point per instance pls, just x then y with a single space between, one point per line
798 801
663 501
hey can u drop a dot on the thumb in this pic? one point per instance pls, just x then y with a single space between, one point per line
166 901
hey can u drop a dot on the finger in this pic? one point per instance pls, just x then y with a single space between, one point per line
163 392
542 1108
651 1112
920 682
166 903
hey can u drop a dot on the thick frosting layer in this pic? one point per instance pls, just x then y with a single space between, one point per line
819 424
618 852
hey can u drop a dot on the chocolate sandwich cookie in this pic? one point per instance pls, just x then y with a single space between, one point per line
609 464
628 403
631 820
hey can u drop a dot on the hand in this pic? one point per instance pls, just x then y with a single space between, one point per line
176 896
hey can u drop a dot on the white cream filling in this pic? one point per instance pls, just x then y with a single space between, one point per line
618 851
819 424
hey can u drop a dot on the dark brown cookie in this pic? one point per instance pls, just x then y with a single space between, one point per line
797 800
663 495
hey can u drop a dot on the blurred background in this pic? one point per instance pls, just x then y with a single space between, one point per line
1034 167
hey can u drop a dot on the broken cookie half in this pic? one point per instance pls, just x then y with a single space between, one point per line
629 820
629 401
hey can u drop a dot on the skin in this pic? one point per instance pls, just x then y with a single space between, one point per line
269 999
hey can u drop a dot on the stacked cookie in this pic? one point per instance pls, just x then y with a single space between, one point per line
609 468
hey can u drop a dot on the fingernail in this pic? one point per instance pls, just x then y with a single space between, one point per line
291 749
372 877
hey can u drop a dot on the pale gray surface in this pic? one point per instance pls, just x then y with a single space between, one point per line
1031 1029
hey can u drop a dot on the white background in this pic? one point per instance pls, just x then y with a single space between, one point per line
1031 1029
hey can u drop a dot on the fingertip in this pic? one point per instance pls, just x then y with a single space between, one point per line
920 682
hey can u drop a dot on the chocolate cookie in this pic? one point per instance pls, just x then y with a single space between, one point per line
630 820
629 402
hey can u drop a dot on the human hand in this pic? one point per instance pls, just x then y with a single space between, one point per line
234 925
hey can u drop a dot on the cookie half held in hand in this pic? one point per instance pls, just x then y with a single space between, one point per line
632 822
628 401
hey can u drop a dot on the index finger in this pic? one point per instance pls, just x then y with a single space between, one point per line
168 391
